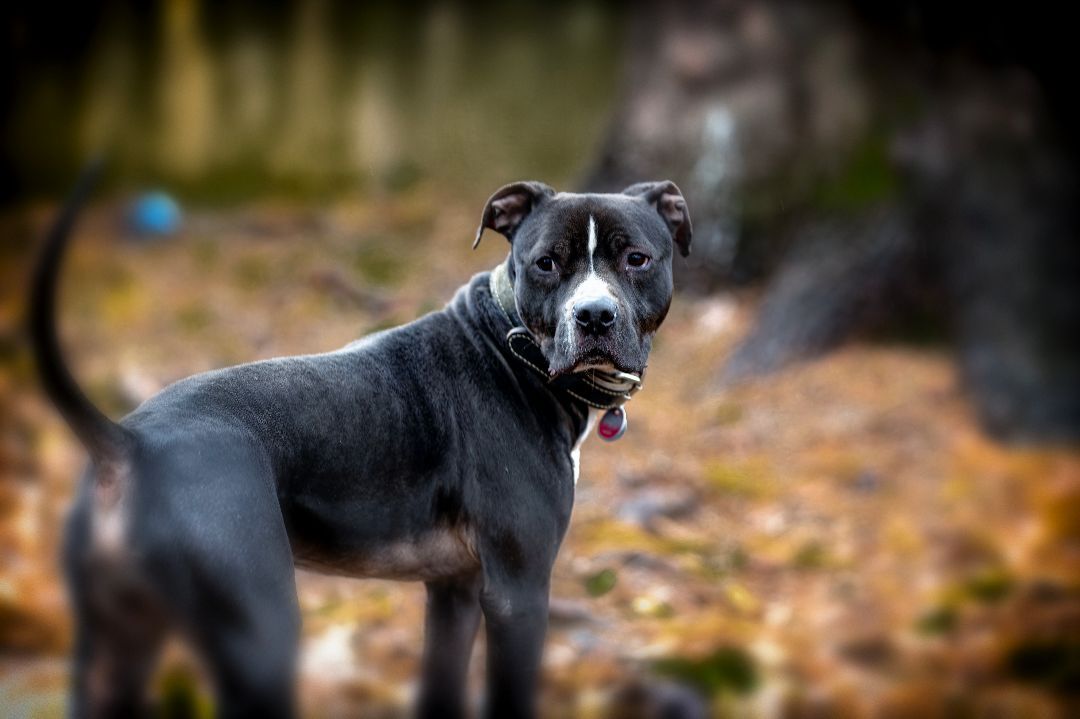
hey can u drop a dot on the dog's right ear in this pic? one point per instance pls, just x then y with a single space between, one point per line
509 206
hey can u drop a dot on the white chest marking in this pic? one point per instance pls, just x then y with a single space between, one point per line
575 453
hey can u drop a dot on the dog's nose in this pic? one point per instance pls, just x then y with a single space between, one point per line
596 315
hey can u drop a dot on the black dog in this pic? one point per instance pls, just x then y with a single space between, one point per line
443 451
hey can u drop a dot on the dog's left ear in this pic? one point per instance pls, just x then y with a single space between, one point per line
509 206
666 197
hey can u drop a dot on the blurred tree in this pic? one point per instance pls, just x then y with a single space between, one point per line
311 98
906 166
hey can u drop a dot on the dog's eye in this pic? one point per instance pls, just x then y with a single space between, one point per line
546 264
637 260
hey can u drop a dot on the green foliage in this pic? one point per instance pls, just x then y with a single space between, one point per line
110 397
727 670
180 696
727 413
599 584
738 558
378 264
194 317
402 176
866 178
989 586
252 273
939 620
745 479
205 252
726 562
811 555
379 96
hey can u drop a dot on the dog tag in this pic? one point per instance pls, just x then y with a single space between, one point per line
612 425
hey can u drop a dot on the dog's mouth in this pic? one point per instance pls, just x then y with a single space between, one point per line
592 358
597 359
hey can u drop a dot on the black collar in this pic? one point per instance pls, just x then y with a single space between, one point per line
599 389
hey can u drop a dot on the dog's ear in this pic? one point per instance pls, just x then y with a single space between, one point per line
509 206
666 197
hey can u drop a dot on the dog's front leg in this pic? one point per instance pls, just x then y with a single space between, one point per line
515 618
452 618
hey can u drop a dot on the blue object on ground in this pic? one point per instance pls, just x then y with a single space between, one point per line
154 213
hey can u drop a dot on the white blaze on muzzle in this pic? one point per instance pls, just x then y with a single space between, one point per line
590 288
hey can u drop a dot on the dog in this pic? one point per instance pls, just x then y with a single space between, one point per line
443 451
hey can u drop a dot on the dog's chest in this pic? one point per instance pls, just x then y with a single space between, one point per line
575 453
436 554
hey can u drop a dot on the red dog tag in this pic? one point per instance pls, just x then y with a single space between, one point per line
612 425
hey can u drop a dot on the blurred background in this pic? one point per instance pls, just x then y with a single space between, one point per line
852 484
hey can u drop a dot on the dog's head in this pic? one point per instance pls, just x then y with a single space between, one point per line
591 272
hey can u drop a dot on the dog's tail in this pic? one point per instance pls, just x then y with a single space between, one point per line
103 438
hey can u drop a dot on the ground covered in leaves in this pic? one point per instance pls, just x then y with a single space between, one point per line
835 540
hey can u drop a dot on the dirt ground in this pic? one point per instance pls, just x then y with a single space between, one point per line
836 540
